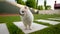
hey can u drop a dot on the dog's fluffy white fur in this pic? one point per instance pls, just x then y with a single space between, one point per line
27 17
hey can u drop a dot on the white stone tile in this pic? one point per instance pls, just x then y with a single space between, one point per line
48 21
35 27
54 18
3 29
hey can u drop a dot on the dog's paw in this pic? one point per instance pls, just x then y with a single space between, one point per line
26 29
30 29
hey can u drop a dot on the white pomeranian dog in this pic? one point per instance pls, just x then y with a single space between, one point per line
27 17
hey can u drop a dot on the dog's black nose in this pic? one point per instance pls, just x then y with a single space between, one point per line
22 11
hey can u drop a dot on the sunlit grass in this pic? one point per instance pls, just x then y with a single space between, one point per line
9 22
15 30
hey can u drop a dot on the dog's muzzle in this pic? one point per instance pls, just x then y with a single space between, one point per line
21 13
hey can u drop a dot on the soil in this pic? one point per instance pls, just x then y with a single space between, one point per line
9 14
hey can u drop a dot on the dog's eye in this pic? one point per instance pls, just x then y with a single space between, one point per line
22 11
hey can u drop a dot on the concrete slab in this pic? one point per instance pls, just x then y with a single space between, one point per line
54 18
48 21
35 27
3 29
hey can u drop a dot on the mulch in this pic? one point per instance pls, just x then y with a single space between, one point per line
9 14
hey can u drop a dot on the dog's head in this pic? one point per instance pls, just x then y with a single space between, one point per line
23 11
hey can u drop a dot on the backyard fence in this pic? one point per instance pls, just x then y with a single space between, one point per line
57 11
9 8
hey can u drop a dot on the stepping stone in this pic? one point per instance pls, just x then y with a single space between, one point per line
3 29
34 27
48 21
54 18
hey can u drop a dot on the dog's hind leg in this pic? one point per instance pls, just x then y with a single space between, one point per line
25 26
29 25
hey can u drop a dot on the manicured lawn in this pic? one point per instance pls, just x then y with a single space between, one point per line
54 20
57 20
47 24
6 19
9 22
15 30
45 16
50 30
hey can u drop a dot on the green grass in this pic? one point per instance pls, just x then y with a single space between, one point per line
54 20
45 16
13 29
50 30
6 19
47 24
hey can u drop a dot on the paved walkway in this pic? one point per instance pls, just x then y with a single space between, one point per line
48 21
54 18
35 27
3 29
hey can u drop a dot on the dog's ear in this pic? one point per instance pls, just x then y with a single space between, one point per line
26 7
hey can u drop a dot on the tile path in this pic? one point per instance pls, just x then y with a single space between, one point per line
3 29
35 27
48 21
54 18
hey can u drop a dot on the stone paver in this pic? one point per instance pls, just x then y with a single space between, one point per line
54 18
3 29
48 21
35 27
